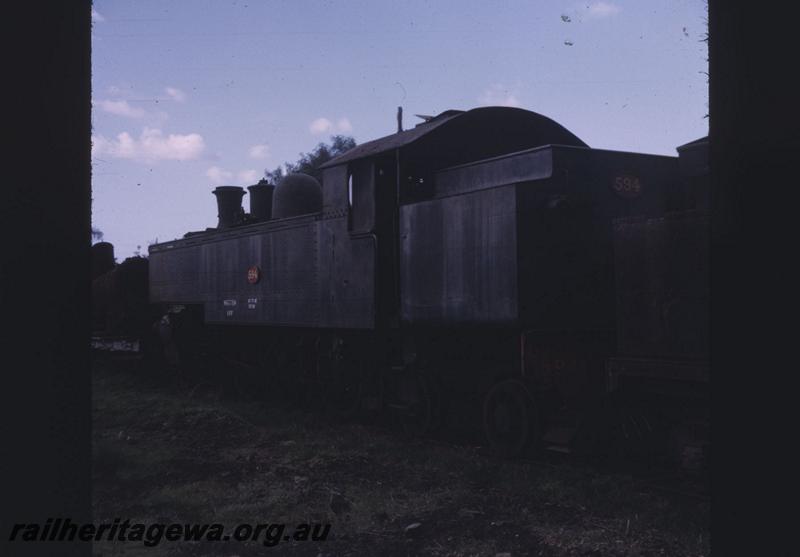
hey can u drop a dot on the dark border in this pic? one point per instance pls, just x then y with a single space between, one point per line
46 400
754 149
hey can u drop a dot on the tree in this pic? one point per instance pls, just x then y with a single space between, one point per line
309 163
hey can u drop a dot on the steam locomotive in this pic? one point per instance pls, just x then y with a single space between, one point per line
486 255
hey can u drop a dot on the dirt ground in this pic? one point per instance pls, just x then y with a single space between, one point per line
169 452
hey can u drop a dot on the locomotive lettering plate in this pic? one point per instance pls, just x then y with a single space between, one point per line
627 186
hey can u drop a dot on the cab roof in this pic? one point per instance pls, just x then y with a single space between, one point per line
485 131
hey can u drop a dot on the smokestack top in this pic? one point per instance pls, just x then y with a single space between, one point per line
229 205
399 119
224 189
261 200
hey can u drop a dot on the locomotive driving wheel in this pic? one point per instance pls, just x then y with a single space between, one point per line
509 420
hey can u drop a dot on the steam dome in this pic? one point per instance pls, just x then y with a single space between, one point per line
296 194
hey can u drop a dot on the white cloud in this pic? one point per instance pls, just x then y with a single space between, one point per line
320 126
218 176
174 146
344 125
248 176
499 95
96 16
602 9
259 151
323 125
124 147
123 105
176 94
150 146
120 108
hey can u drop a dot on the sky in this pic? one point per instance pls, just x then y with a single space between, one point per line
188 95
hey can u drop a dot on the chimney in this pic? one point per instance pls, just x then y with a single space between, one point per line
229 205
261 200
399 119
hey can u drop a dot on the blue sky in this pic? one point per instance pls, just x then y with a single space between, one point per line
188 95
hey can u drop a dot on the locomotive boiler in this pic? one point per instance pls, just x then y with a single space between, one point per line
471 257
